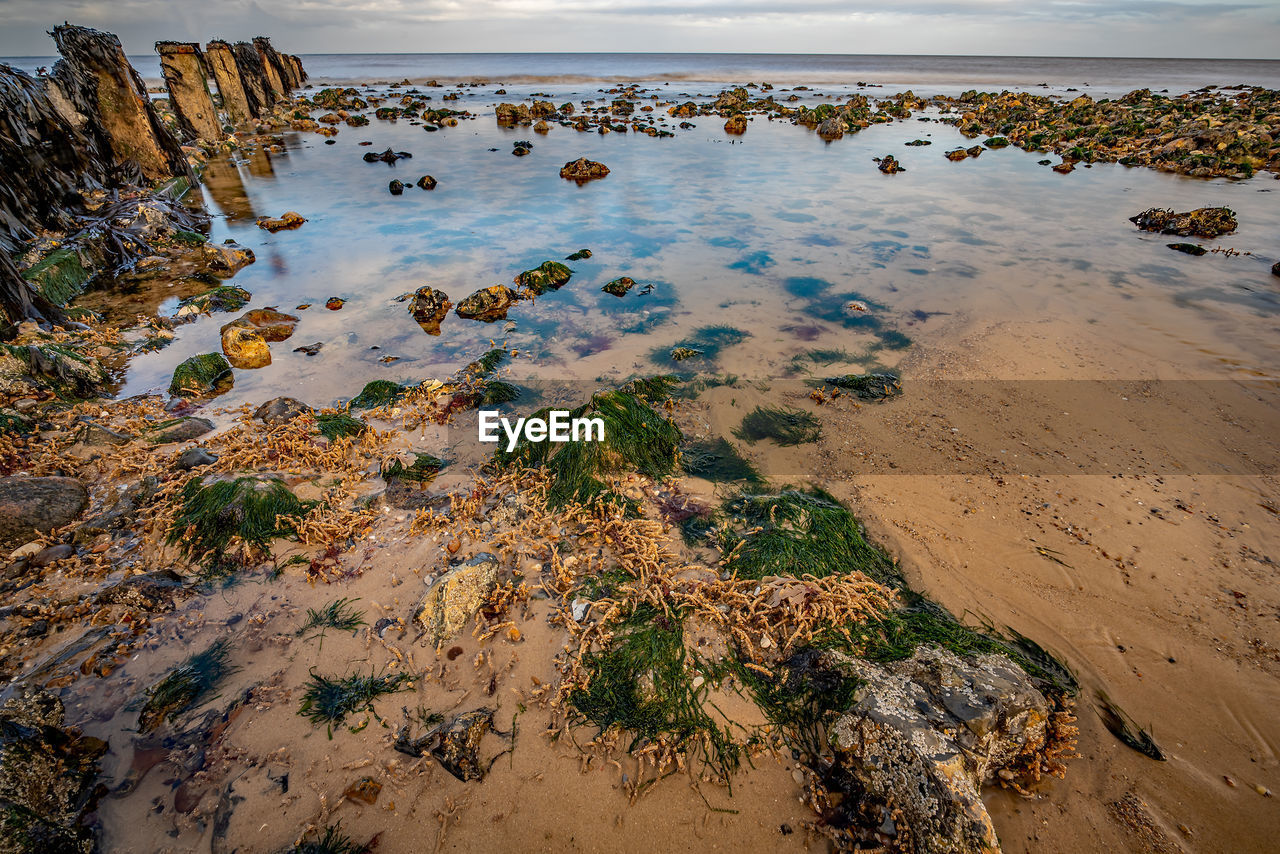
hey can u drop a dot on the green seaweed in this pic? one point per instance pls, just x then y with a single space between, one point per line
784 426
490 361
185 686
801 698
423 469
377 393
331 841
338 614
718 461
705 344
1124 728
642 682
201 376
329 700
547 276
336 425
256 510
795 532
221 298
60 276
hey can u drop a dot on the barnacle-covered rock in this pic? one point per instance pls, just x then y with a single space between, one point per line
583 170
1201 222
488 304
455 597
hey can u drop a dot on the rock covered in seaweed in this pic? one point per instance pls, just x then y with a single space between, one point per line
1201 222
583 170
547 276
488 304
619 286
206 375
429 306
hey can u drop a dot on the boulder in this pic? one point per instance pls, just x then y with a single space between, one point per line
278 410
542 108
889 165
510 114
455 597
426 182
222 298
244 345
290 219
429 306
396 187
180 430
488 304
547 276
736 125
619 286
206 375
194 458
583 170
923 735
271 324
38 504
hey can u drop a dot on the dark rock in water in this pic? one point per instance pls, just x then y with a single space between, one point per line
580 255
889 165
1065 167
974 151
687 126
519 150
925 734
737 125
223 298
194 458
488 304
281 409
334 303
396 187
429 306
455 744
94 435
206 375
182 430
288 220
619 286
868 386
426 182
918 142
583 170
1189 248
38 504
1201 222
549 275
1275 269
832 127
996 142
47 776
956 154
387 156
310 349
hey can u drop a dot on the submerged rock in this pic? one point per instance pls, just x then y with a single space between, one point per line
429 306
1188 248
583 170
223 298
488 304
47 775
274 325
889 165
1201 222
455 597
426 182
206 375
923 735
387 156
31 505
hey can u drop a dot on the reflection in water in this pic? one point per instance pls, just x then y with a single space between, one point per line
259 164
221 179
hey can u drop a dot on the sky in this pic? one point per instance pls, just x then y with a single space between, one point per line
1248 29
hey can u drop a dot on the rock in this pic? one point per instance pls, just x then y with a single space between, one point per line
488 304
52 554
454 744
151 591
244 345
387 156
455 597
1201 222
47 778
510 114
542 108
549 275
194 458
271 324
583 170
310 349
956 154
520 150
396 187
996 142
224 298
542 127
619 286
291 219
1275 269
38 504
334 303
736 125
180 430
925 734
224 260
94 435
680 354
974 151
889 165
278 410
206 375
832 127
580 255
429 306
918 142
1189 248
426 182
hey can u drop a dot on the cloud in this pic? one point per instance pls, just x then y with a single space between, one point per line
1024 27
